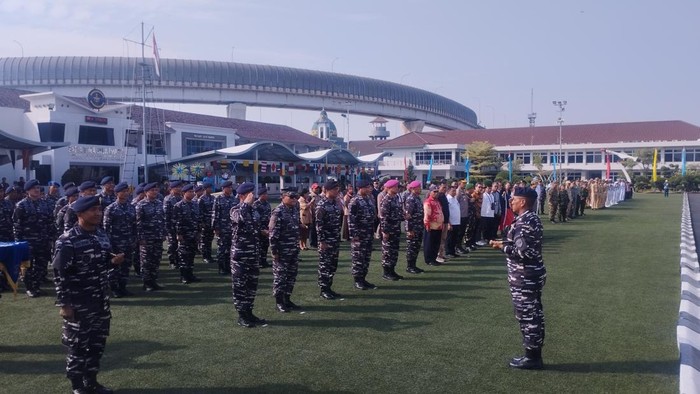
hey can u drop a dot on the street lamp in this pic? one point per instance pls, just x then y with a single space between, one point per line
562 106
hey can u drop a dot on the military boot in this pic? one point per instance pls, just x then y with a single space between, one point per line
390 274
281 305
244 320
258 321
531 360
93 387
193 278
290 304
360 283
184 276
78 386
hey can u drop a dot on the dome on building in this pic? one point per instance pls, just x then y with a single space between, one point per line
324 128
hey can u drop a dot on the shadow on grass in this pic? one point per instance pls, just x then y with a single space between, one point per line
32 349
384 308
265 388
665 367
374 323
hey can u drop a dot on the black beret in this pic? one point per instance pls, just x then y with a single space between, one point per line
87 185
525 192
362 183
174 184
206 185
31 184
82 204
226 184
54 184
331 184
107 180
68 185
138 190
71 191
187 188
143 184
199 188
262 190
150 186
245 187
290 191
121 186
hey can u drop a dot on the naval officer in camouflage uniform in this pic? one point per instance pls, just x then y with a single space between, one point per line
328 215
53 194
245 226
63 201
150 227
284 227
186 219
362 214
83 256
70 219
60 215
221 223
390 216
108 194
119 222
32 223
205 202
6 225
169 202
262 206
413 214
526 276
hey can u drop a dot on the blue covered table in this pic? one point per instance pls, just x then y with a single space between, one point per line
14 260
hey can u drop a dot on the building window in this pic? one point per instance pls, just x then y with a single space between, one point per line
559 159
52 132
575 157
91 135
524 157
439 157
674 155
193 147
594 157
544 157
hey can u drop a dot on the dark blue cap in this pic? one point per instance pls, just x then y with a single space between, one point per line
31 184
150 186
138 190
290 191
362 183
121 186
174 184
87 185
199 188
331 184
262 190
107 180
226 184
54 184
187 188
71 191
525 192
206 185
143 184
68 185
245 187
82 204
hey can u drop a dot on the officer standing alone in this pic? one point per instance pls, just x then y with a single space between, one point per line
526 276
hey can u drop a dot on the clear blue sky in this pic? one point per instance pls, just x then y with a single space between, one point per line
613 61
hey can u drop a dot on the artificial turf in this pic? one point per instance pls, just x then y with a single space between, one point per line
611 305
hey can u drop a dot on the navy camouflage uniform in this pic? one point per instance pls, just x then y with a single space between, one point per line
205 204
362 214
264 211
30 219
527 276
221 223
6 224
413 213
328 216
168 206
107 199
284 227
150 227
245 226
80 267
390 216
187 220
119 223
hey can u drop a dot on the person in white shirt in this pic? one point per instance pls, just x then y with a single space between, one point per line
453 225
488 213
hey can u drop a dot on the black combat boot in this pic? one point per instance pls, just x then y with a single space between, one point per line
244 320
258 321
531 360
93 387
184 276
327 293
281 305
78 386
390 274
412 269
368 285
125 292
290 304
360 283
193 279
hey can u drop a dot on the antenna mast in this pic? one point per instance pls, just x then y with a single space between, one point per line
532 115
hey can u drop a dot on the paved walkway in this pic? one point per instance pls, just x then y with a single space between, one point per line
688 331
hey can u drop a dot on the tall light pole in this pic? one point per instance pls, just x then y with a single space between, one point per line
562 106
333 64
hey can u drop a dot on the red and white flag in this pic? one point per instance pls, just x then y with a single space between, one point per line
263 166
156 56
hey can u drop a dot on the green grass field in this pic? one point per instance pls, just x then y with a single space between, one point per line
611 305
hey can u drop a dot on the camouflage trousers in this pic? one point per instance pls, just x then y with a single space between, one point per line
527 303
562 213
186 251
553 212
390 250
150 255
264 243
172 250
223 251
470 232
284 272
206 239
40 255
361 251
118 275
244 278
413 247
85 338
327 263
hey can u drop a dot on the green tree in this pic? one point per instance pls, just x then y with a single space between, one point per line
411 173
645 157
484 159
